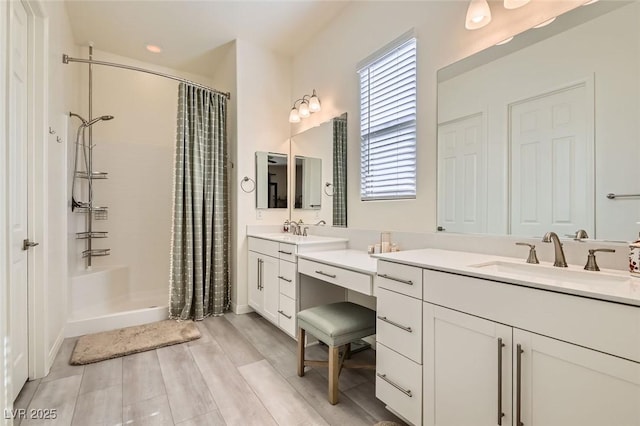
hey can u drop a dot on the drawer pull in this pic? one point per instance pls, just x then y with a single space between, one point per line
519 352
283 314
325 274
500 413
405 328
284 279
395 385
285 252
400 280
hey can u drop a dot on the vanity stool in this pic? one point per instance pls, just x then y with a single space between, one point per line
337 325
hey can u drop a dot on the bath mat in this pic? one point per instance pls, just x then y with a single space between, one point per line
130 340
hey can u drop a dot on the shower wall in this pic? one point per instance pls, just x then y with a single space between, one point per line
136 149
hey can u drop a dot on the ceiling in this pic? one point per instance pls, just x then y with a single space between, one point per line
193 34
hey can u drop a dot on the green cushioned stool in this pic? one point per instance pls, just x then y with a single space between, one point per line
337 325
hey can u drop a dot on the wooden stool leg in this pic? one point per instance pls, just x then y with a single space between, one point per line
334 374
301 334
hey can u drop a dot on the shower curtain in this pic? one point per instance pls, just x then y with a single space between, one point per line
340 171
199 281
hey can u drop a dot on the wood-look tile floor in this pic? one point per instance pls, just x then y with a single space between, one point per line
242 371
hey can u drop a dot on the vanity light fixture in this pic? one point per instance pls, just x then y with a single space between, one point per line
478 15
308 105
545 23
514 4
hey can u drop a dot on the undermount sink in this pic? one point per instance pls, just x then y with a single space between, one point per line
568 275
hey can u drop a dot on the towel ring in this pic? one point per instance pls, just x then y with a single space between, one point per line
247 179
326 188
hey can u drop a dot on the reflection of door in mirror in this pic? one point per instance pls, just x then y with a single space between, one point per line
271 180
560 111
308 183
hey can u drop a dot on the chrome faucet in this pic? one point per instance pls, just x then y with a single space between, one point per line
321 222
560 261
579 235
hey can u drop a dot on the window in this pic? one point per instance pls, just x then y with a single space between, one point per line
388 122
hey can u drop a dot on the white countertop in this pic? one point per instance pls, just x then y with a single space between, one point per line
308 240
355 260
615 286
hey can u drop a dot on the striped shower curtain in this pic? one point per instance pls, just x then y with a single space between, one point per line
340 171
199 277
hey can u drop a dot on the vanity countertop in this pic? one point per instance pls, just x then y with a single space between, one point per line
355 260
607 284
308 240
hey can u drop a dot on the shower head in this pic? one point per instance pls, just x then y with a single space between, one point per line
95 120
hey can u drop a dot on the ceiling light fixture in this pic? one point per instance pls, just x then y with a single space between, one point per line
514 4
308 105
478 15
545 23
505 41
153 48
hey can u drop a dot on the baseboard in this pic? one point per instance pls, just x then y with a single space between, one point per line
241 309
53 352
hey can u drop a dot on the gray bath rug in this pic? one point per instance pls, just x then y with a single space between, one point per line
130 340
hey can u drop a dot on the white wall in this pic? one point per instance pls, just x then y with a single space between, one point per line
545 67
137 149
328 64
262 100
63 97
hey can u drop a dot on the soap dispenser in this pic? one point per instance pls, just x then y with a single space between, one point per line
634 258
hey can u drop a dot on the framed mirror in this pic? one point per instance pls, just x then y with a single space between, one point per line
535 134
320 173
308 183
272 183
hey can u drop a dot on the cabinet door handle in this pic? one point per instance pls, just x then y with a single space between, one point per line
519 352
395 385
400 280
259 274
285 252
500 413
325 274
405 328
284 279
283 314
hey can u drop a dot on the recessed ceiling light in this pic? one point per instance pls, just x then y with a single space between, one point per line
505 41
153 48
545 23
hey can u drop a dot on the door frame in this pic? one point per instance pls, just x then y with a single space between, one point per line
37 94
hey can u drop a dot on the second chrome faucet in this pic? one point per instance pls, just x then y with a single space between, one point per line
552 237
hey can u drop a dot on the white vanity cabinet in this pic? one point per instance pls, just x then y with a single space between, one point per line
476 368
272 282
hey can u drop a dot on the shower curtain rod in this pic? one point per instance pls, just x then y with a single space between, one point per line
66 59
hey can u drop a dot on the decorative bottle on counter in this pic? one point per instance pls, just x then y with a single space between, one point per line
634 258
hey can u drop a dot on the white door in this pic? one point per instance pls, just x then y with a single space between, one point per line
255 272
552 181
467 369
17 126
462 175
564 384
270 288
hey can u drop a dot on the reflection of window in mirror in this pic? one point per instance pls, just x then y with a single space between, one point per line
271 180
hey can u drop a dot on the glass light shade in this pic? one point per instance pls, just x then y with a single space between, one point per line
514 4
314 103
294 117
478 15
589 2
505 41
303 110
545 23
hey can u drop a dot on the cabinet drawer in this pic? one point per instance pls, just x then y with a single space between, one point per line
399 383
270 248
400 278
287 252
287 315
399 323
287 279
346 278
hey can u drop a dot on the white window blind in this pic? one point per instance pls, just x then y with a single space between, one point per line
388 124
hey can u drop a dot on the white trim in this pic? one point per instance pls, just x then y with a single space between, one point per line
51 356
4 253
37 157
241 309
399 41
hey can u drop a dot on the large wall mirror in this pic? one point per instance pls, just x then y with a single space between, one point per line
319 189
535 135
272 183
